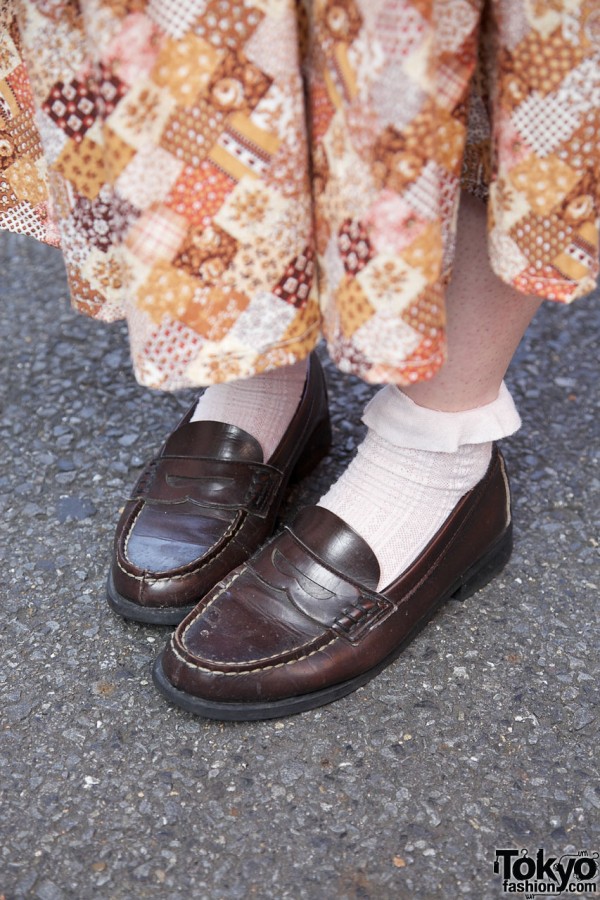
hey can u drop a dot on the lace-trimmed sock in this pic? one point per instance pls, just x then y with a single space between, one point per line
410 471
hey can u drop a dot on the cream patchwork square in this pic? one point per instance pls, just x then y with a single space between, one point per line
149 177
9 58
544 122
390 285
263 322
508 260
176 16
384 337
142 114
252 209
423 195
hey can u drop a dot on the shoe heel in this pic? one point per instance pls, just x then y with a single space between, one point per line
487 567
317 447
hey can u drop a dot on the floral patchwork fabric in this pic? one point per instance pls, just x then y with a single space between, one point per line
238 177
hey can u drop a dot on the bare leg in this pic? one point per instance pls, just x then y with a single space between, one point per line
418 459
486 321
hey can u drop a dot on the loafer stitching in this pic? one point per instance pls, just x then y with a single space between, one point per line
247 671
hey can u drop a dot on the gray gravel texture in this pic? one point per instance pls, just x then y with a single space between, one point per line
483 735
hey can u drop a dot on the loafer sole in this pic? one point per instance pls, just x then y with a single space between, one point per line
482 572
146 615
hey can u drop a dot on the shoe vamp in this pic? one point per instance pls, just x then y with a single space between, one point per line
169 537
246 622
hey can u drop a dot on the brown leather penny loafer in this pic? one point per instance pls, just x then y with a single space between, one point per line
205 504
301 624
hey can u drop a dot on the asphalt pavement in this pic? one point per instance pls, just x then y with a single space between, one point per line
483 735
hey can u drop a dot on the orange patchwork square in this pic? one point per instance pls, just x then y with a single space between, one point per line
547 279
118 153
167 291
580 149
83 165
299 336
18 82
185 67
214 313
25 181
25 135
425 253
426 313
435 134
449 142
87 299
544 182
199 192
322 110
541 238
352 306
543 61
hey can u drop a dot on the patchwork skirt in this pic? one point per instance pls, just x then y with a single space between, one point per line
237 178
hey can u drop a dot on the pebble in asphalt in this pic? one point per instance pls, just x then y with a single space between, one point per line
483 735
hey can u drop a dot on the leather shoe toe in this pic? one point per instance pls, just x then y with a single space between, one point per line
205 504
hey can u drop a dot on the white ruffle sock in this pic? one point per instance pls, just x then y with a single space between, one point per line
411 469
263 405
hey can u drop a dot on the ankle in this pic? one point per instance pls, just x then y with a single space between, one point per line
430 395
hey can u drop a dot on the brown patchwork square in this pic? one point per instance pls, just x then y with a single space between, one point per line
206 253
542 61
75 105
228 24
354 246
295 285
104 220
190 133
237 85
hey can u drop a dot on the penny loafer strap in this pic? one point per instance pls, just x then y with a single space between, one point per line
321 592
224 484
